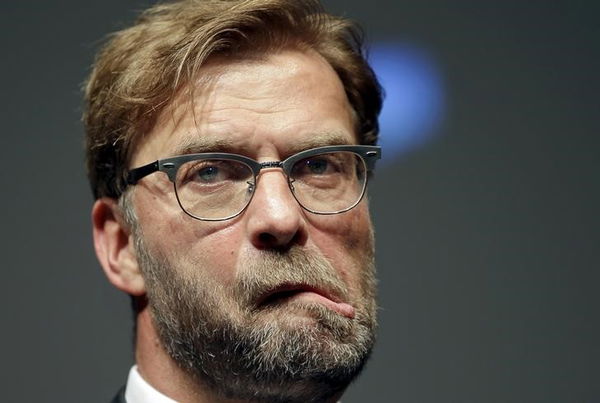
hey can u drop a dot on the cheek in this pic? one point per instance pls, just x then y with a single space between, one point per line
197 248
351 230
216 247
157 217
346 240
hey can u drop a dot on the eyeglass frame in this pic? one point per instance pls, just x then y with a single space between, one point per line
171 165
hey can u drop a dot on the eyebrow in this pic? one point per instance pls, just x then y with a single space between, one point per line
198 145
319 140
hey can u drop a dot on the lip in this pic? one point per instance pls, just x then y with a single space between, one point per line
306 293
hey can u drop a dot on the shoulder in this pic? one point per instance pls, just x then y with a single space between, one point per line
120 397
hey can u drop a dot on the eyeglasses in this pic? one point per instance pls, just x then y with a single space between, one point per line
219 186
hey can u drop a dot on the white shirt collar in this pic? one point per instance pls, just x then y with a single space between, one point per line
138 390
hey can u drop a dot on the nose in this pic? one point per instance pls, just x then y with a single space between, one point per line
275 220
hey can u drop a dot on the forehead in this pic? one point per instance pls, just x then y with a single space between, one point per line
274 104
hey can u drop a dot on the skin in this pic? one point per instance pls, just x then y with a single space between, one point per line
266 108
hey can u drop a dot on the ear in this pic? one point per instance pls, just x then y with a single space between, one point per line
114 247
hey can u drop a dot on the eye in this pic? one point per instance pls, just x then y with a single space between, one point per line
214 172
320 165
317 166
208 174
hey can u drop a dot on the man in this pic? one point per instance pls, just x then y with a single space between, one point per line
228 147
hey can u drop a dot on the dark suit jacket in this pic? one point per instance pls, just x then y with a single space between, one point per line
120 397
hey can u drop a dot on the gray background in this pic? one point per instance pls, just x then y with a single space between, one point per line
487 237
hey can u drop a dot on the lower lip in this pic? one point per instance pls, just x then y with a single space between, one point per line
342 308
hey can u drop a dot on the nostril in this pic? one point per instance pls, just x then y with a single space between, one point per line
267 239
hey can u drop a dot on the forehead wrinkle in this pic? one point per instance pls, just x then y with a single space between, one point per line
273 108
203 119
196 114
216 130
176 115
194 145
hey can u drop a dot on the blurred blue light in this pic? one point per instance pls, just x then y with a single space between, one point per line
414 105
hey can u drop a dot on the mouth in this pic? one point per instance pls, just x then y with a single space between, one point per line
304 293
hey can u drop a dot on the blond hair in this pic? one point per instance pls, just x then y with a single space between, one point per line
141 68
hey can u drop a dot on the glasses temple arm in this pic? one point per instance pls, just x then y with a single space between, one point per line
136 174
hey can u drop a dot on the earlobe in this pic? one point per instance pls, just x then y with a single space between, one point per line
115 249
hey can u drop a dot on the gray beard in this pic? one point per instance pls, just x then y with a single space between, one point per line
223 339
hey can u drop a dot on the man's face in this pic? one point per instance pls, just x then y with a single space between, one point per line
277 302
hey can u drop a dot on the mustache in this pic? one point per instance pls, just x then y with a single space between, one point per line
272 270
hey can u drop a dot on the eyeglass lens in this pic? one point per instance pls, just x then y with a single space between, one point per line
215 189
